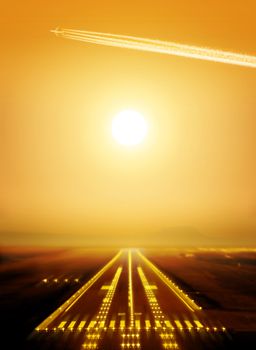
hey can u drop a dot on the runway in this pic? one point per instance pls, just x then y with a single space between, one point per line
129 304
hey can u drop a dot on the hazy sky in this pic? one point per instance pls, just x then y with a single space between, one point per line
61 171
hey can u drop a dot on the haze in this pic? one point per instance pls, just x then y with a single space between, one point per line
64 180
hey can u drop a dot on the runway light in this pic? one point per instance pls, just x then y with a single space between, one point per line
74 298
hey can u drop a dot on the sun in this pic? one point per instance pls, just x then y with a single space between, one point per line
129 128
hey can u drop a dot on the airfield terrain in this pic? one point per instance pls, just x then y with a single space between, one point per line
128 299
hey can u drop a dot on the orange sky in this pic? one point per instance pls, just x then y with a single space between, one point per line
62 175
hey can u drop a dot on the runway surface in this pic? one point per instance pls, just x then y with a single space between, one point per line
130 304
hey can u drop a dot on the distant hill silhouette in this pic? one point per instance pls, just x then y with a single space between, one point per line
176 236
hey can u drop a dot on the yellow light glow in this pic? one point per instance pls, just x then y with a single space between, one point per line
129 128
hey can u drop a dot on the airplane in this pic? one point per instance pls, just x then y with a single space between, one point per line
57 31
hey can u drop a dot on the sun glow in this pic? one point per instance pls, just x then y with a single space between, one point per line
129 128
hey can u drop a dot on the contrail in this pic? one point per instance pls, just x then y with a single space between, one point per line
158 46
